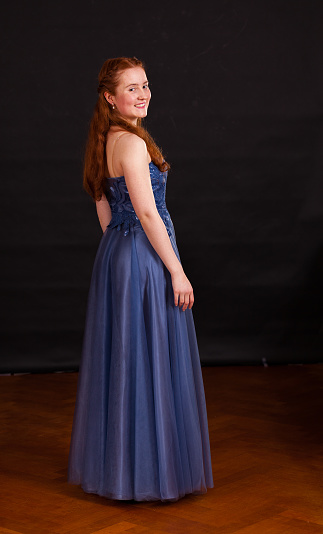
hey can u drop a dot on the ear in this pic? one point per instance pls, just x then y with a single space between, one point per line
108 98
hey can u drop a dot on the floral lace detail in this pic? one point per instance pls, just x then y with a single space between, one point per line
123 214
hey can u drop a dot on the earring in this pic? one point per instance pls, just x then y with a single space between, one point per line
113 106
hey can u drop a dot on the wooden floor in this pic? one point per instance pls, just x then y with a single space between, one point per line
267 450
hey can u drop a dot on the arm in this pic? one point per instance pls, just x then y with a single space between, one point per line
104 212
134 162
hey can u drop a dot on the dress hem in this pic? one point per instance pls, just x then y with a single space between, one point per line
120 497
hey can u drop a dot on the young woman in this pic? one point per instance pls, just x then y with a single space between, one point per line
140 426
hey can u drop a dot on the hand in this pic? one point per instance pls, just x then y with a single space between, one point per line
183 291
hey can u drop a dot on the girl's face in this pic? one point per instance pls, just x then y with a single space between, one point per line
132 94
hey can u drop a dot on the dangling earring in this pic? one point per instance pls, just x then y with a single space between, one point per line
113 106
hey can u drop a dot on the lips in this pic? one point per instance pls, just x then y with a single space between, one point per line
141 106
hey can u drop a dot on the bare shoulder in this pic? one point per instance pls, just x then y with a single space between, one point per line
129 141
131 151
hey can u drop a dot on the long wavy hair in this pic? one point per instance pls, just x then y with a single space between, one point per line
104 116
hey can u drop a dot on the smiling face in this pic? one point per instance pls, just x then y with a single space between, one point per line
132 95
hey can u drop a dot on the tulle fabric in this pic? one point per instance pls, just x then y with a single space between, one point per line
140 425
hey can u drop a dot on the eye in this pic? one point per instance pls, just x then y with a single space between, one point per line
132 89
145 86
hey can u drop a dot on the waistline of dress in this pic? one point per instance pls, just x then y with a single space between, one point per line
126 221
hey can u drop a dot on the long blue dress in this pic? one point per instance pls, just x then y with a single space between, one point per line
140 426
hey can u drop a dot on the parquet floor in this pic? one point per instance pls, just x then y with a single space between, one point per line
267 449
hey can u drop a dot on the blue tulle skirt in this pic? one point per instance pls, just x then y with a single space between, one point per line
140 427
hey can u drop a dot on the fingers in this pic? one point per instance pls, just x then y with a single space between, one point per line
183 291
184 300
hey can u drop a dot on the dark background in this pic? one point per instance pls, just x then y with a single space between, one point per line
237 108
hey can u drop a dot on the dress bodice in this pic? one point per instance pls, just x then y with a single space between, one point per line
123 214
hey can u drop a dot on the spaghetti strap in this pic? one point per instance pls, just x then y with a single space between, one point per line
112 151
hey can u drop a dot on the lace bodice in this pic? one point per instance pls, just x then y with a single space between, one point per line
123 214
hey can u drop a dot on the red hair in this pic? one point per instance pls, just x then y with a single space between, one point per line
103 118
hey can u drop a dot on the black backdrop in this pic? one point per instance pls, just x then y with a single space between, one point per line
237 109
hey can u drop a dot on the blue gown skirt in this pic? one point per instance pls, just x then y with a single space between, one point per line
140 426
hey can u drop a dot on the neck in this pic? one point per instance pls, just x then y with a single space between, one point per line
121 124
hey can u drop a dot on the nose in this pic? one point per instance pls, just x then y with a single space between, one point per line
142 95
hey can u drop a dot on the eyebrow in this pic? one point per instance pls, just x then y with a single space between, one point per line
130 84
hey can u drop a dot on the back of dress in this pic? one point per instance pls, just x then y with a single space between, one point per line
140 424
